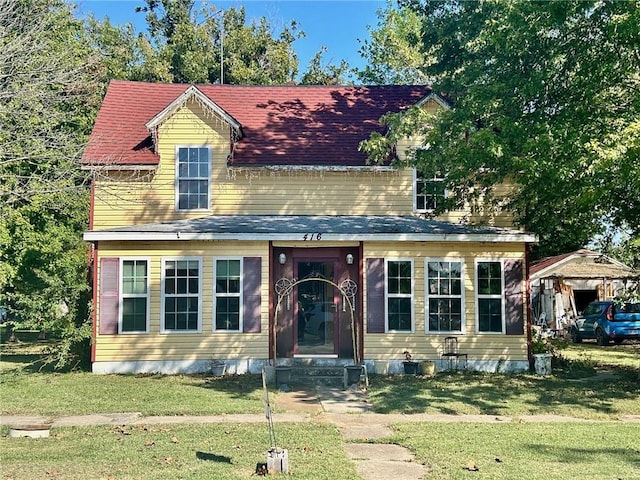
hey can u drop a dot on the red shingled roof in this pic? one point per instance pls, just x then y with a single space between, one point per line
548 261
289 125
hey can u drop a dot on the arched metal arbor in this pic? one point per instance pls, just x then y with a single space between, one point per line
348 289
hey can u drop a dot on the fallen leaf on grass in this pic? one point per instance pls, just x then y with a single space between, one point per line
121 430
471 467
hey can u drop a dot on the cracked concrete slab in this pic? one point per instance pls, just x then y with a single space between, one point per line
384 461
384 470
365 432
97 419
378 451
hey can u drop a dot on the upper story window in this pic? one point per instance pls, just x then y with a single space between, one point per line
444 295
193 178
428 192
399 295
490 296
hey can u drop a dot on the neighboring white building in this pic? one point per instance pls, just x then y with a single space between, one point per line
563 285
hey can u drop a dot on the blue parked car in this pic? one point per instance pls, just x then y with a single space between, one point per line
606 322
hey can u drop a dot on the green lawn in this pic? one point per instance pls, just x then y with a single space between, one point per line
603 398
555 451
221 452
85 393
589 382
545 451
574 389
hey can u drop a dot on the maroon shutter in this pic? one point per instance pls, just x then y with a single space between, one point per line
251 315
375 295
109 296
513 281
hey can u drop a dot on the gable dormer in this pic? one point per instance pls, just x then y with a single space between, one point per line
193 94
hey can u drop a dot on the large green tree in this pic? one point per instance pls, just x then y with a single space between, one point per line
47 103
545 95
188 44
394 52
184 43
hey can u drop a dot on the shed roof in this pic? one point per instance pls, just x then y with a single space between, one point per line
316 227
581 264
281 125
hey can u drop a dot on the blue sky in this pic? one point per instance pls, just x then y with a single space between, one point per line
334 24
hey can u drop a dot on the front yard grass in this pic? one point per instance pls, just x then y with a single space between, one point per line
532 451
574 390
220 451
545 451
511 395
80 393
588 382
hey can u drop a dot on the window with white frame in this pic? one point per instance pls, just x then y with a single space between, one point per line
134 295
444 295
490 296
193 178
428 192
182 295
227 294
399 295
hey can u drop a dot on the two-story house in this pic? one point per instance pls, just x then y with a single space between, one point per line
243 224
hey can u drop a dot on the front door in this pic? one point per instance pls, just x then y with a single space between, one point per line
317 307
312 317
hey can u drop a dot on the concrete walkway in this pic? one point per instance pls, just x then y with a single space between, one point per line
348 410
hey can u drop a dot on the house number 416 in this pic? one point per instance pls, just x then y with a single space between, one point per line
312 236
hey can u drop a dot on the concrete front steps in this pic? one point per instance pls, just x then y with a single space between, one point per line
318 370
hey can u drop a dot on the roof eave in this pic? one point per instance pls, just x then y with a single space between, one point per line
545 272
120 167
316 168
95 236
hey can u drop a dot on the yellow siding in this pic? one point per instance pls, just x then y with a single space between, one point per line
129 198
185 346
423 345
208 344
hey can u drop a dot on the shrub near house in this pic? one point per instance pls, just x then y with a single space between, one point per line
211 202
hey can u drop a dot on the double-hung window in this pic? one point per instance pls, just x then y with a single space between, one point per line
399 295
429 192
181 295
134 295
193 178
227 314
444 295
490 296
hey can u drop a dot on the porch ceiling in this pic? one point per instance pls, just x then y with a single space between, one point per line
316 227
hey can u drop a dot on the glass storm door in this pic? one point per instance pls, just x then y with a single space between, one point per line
317 308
